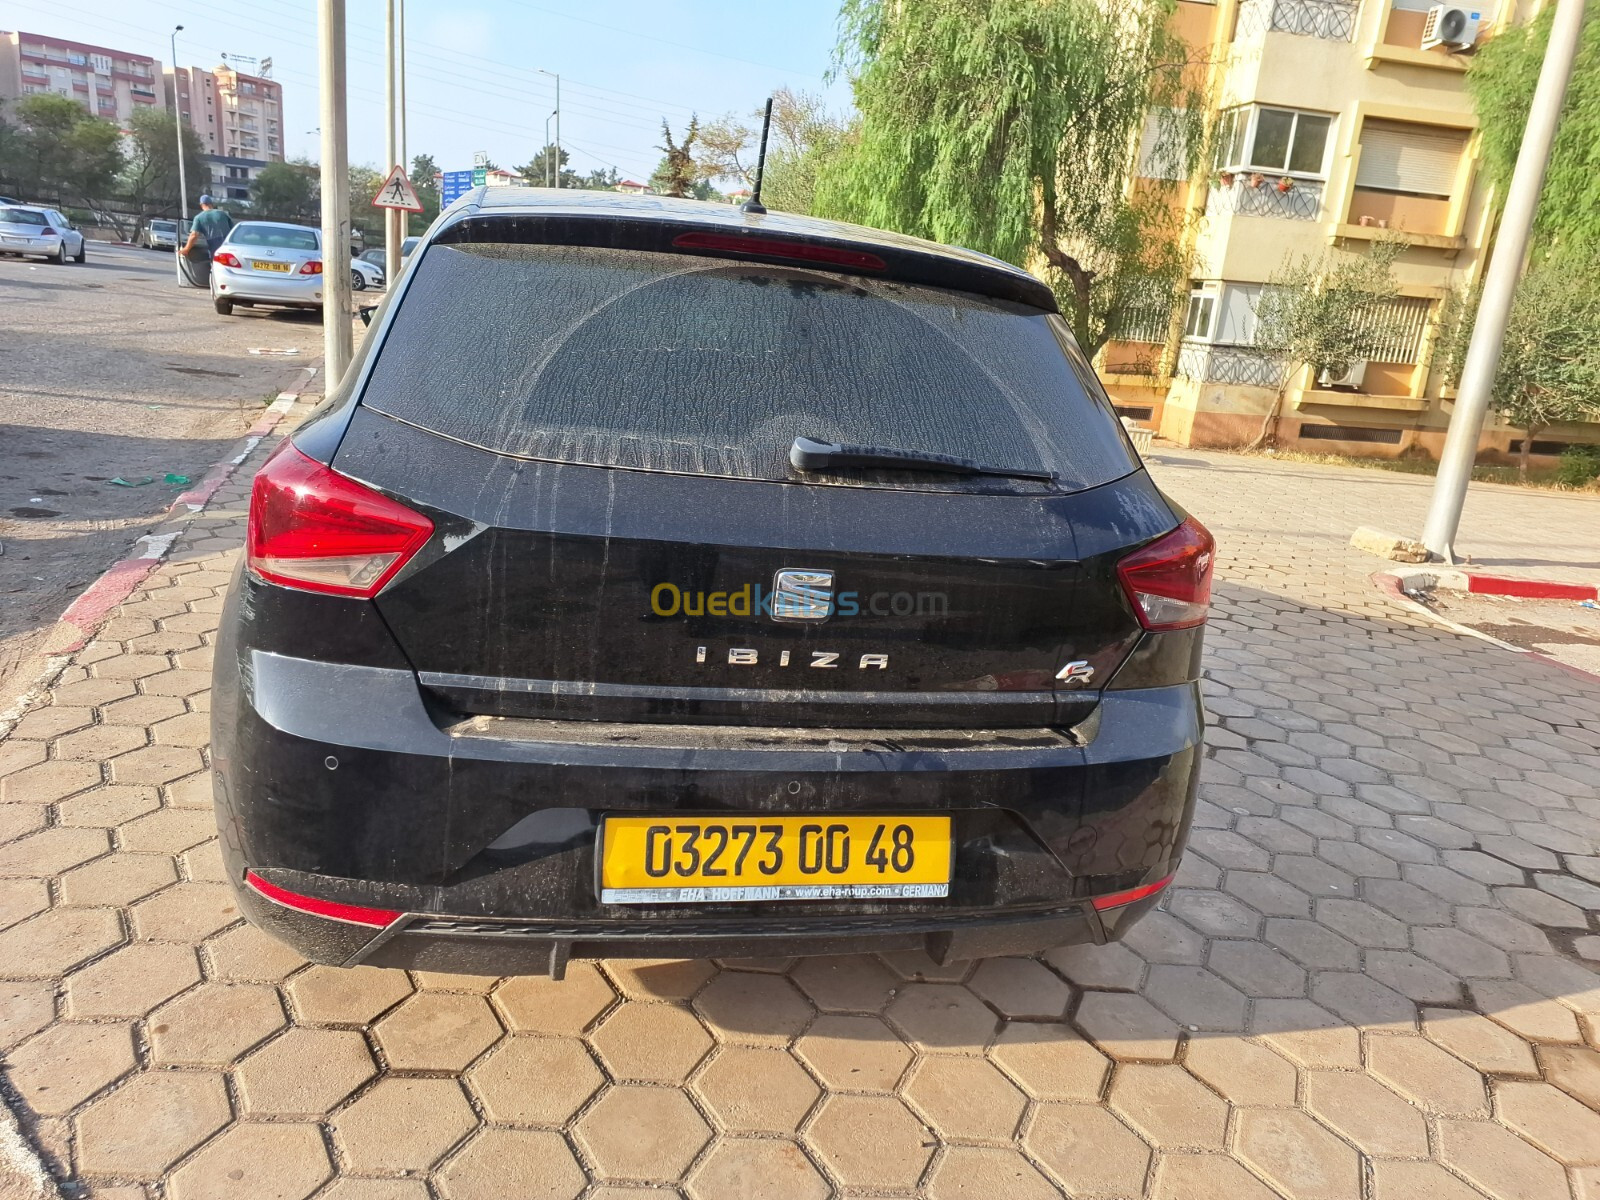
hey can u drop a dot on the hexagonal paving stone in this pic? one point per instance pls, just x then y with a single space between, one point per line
167 831
346 995
1242 1071
1499 1162
436 1031
1127 1026
536 1004
25 1008
254 1162
117 879
1313 945
150 1122
1306 1034
1552 1120
304 1073
740 1006
68 1063
855 983
1461 954
1087 1149
1168 1107
1409 1180
156 764
659 978
1213 913
870 1141
858 1054
348 1187
1206 1177
1257 969
402 1124
1425 1074
132 981
654 1043
1110 966
641 1133
964 1098
1412 977
250 955
1297 1156
1050 1062
1195 997
1479 1041
753 1090
498 1163
48 782
566 1075
1363 1001
1021 989
976 1173
52 851
21 899
1368 1114
185 912
757 1170
99 742
213 1024
943 1016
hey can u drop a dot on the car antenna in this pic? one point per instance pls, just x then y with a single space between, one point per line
754 205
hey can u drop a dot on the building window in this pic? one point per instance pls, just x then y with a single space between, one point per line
1282 140
1198 321
1413 159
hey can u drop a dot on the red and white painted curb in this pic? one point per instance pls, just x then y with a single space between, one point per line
1428 578
85 616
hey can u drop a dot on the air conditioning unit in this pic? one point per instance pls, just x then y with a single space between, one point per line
1451 26
1354 376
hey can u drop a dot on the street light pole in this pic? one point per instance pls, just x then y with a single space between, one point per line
177 117
547 152
1500 285
557 78
391 216
400 53
336 340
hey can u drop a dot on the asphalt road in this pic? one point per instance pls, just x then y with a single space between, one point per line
109 370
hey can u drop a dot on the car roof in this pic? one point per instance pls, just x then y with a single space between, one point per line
38 208
653 220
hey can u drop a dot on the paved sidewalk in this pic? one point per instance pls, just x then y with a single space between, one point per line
1374 980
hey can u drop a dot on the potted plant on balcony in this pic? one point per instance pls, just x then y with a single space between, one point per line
1226 178
1285 184
1257 179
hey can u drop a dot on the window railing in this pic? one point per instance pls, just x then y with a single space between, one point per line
1301 201
1245 365
1332 20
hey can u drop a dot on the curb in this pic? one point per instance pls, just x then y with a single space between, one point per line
93 606
1394 585
1496 585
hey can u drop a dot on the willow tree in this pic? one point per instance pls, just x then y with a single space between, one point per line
1015 127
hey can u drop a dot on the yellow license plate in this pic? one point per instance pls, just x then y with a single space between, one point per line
259 265
699 860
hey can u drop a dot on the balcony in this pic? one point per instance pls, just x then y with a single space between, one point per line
1331 20
1301 202
1242 365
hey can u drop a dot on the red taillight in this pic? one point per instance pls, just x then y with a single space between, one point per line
311 268
353 914
1118 899
764 247
313 529
1169 581
47 232
226 258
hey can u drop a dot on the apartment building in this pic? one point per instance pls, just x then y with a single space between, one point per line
110 83
239 120
1339 122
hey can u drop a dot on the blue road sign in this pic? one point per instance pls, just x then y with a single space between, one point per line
454 185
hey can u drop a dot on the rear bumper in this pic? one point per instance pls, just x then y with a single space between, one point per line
339 782
300 291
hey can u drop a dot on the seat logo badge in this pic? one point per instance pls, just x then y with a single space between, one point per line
800 594
1076 672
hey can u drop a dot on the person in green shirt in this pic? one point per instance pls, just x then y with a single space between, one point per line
212 224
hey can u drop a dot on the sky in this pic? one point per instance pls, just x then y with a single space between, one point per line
473 66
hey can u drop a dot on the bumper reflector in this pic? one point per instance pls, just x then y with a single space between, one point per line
1118 899
353 914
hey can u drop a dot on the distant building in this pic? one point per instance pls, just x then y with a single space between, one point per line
238 118
633 189
112 84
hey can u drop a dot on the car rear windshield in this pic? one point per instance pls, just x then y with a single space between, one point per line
267 235
680 363
22 216
164 226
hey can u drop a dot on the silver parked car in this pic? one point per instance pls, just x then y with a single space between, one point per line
364 273
268 263
160 234
32 229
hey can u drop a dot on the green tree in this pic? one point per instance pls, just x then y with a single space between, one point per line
678 172
364 184
804 138
149 183
423 170
539 170
1501 80
601 179
286 191
56 153
1010 126
1324 312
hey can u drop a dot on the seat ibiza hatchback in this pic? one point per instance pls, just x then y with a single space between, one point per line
664 580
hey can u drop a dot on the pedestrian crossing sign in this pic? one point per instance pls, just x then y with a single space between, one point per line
397 192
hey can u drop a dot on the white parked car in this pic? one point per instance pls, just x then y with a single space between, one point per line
159 234
365 274
31 229
268 263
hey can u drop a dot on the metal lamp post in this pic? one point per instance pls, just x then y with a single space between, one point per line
547 156
177 117
557 115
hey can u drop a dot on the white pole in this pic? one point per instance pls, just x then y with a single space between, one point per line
1500 285
336 339
558 131
177 117
547 150
401 55
391 216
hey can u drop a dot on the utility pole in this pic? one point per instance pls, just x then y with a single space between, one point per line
401 55
1500 285
177 117
391 216
335 194
557 78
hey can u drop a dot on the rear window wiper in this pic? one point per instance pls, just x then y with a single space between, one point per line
809 455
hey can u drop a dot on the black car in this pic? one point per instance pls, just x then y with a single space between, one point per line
665 580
